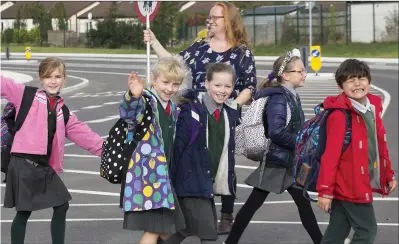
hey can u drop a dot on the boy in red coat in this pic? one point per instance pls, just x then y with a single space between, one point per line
346 182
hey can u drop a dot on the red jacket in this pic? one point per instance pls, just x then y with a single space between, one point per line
346 177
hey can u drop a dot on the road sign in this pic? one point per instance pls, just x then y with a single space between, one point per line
146 7
315 55
146 11
27 52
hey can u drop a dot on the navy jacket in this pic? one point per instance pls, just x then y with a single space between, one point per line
190 170
283 136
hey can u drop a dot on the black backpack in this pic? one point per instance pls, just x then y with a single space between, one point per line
12 122
116 153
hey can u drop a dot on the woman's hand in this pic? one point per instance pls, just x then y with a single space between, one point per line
149 37
136 84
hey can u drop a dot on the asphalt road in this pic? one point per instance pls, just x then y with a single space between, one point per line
94 216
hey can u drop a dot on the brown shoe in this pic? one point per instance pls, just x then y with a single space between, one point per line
224 226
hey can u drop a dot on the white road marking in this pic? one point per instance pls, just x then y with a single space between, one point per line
80 156
96 121
252 221
72 143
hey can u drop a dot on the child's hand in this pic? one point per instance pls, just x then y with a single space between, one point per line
136 84
392 185
324 204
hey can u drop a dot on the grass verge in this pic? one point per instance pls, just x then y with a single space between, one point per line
360 50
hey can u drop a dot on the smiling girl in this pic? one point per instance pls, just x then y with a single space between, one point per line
149 201
37 152
203 156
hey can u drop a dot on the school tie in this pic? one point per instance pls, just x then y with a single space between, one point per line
167 110
216 114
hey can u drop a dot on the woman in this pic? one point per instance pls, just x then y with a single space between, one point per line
227 42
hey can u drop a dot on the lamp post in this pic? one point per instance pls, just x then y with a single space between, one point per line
89 16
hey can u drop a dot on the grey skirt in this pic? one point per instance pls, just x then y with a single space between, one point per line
201 218
162 220
272 179
32 186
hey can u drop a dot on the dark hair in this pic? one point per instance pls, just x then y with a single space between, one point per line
219 68
352 68
276 67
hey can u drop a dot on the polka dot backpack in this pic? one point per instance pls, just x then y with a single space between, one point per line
117 151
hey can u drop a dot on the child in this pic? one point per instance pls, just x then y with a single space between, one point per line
282 118
149 201
37 153
346 182
203 155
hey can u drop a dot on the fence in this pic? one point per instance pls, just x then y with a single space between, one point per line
336 22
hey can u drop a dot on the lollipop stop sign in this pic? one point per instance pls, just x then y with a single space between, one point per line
146 12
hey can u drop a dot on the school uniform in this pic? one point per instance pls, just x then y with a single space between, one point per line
31 183
203 161
149 200
282 119
275 171
366 161
36 159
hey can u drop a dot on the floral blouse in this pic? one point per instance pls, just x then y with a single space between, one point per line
199 54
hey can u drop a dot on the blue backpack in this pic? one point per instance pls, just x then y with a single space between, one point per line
310 146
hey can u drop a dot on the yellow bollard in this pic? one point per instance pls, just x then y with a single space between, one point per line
315 62
27 53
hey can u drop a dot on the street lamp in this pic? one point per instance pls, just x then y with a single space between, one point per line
310 6
89 16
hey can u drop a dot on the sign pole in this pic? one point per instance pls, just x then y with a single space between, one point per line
148 50
310 24
146 12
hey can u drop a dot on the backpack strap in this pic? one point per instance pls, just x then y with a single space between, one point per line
27 100
65 113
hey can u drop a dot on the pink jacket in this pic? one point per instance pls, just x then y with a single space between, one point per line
32 137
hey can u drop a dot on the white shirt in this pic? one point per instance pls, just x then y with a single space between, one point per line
363 108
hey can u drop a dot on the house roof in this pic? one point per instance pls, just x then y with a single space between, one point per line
71 8
125 9
11 12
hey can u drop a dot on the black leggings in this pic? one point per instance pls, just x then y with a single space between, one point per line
255 201
18 226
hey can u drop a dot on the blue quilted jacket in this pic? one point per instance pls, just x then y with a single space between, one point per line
275 117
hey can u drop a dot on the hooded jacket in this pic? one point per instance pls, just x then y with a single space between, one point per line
275 118
346 177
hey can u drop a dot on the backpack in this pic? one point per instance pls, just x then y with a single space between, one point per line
250 134
11 122
117 149
310 146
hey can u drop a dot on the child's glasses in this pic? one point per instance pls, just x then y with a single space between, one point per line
303 72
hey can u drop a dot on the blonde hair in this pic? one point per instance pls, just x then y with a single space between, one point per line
173 68
236 31
49 64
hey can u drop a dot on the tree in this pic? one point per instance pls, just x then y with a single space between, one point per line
19 21
59 12
164 23
391 26
332 36
42 19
